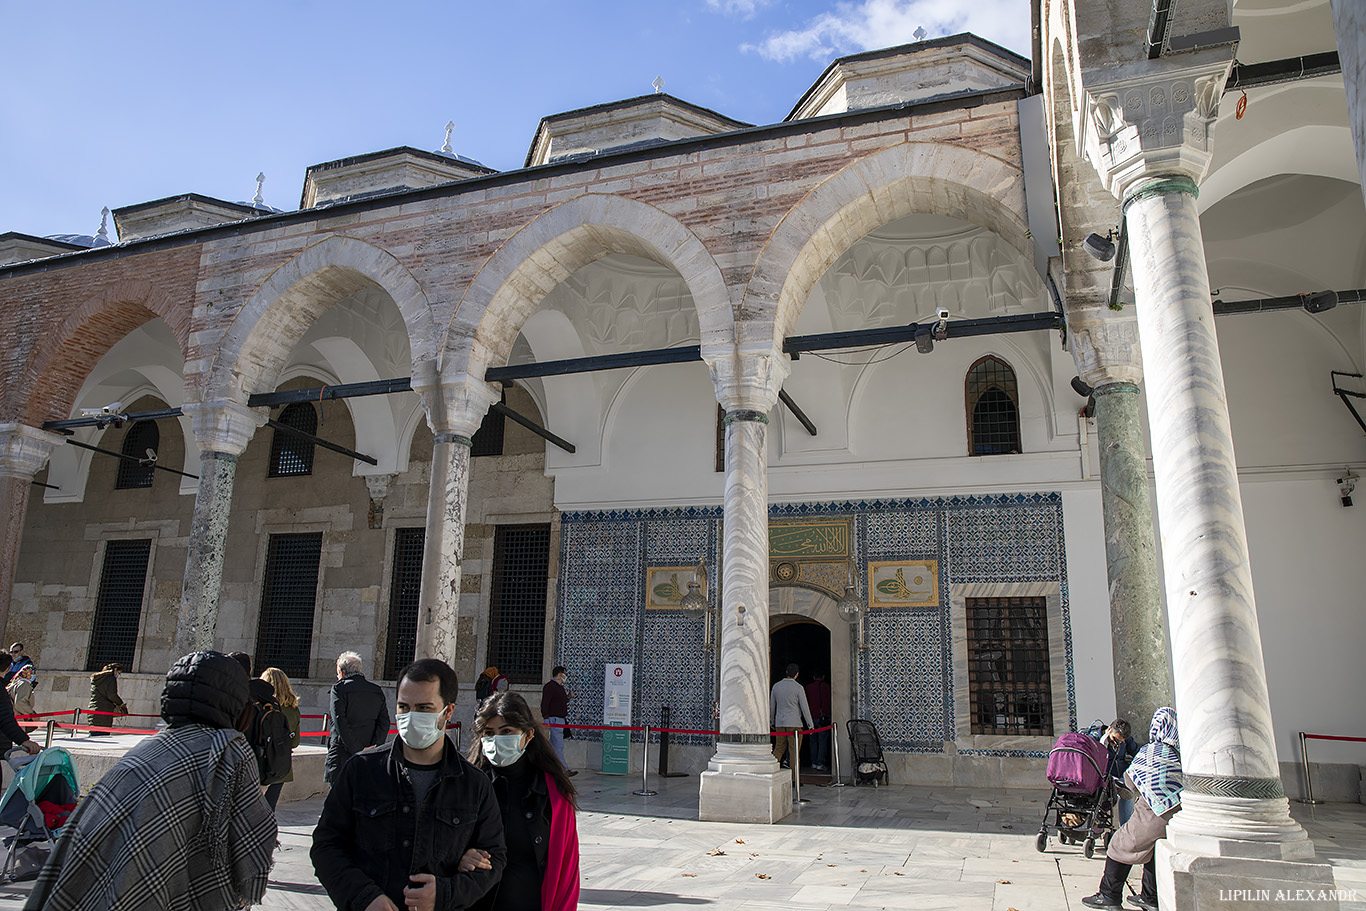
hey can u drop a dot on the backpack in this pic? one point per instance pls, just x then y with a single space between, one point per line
483 687
270 740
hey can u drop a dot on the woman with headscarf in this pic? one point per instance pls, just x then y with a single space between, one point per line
179 821
1155 778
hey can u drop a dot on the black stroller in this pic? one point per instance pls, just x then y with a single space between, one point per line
1082 802
869 765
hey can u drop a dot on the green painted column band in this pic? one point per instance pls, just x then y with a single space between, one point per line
1116 388
1160 186
733 416
455 438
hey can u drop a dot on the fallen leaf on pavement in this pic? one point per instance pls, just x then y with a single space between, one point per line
716 852
1004 882
690 874
1007 827
739 841
762 876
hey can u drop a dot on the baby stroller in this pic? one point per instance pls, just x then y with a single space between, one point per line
869 765
1082 797
35 806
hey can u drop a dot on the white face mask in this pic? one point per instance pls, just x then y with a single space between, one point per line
420 730
503 749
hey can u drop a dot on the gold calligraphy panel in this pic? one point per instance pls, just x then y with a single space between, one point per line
665 586
903 583
823 539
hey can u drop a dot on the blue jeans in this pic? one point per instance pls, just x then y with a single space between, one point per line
820 747
557 738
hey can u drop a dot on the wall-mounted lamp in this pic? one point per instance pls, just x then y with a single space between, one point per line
695 600
1101 248
852 608
1346 484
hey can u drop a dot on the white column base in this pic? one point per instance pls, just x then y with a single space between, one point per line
744 784
1199 882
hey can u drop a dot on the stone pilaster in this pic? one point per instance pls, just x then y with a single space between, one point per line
454 411
1149 136
742 782
1349 25
24 451
222 430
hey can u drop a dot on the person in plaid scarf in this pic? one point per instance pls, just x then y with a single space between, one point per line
179 822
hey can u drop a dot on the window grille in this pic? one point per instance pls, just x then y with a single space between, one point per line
405 584
291 454
720 438
521 565
141 442
1009 683
284 633
118 608
993 408
488 439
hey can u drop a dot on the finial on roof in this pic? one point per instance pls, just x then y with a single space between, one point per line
919 33
103 232
659 85
446 146
258 199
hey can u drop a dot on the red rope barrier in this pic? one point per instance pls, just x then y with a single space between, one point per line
611 727
87 728
43 715
1333 737
114 714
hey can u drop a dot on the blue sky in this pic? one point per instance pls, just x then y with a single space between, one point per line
120 103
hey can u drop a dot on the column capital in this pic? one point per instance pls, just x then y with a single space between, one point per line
1154 120
224 425
1106 350
456 406
749 382
24 450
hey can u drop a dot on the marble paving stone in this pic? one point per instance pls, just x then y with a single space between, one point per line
836 854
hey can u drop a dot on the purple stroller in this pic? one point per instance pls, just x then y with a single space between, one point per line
1082 798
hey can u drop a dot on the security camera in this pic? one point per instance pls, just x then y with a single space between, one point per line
941 327
942 313
108 411
1346 484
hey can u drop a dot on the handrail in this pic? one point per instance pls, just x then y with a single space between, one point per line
1304 758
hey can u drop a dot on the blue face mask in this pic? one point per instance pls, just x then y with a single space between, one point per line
503 749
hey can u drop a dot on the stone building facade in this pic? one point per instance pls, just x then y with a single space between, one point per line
939 515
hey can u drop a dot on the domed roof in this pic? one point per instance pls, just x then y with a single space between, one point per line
99 239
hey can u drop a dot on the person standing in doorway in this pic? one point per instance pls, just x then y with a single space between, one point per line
360 715
105 702
555 708
818 698
789 710
398 821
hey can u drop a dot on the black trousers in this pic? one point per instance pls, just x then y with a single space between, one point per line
1112 880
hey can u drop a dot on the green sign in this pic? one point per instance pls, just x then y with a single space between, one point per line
616 752
821 538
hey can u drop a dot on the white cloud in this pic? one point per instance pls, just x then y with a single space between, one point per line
863 26
745 9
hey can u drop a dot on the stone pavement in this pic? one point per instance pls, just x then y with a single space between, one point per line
848 848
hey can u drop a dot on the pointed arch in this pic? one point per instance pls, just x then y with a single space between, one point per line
556 244
255 346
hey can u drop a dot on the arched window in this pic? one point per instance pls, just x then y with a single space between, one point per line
993 408
291 454
141 442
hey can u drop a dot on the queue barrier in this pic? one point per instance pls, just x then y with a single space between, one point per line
1304 757
645 789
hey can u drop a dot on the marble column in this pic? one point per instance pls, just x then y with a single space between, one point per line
24 451
454 411
1149 136
1349 25
742 782
222 429
1138 633
1107 353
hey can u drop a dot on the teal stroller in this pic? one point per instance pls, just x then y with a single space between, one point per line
49 778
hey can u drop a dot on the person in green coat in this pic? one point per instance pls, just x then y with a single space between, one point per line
104 697
289 705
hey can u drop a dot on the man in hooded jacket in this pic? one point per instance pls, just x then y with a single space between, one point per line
179 822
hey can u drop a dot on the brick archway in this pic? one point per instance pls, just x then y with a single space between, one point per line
64 356
253 349
552 247
907 179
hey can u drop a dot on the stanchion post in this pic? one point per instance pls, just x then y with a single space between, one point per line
835 755
797 766
1308 783
51 730
645 768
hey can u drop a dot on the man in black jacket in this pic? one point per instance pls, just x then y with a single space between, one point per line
398 820
360 715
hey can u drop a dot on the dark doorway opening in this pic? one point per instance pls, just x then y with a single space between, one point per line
806 643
